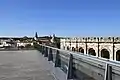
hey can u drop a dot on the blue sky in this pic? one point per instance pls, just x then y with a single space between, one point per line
62 17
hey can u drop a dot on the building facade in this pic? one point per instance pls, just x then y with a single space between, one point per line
15 42
103 47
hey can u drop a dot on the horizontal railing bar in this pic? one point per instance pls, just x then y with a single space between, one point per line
96 59
75 63
114 63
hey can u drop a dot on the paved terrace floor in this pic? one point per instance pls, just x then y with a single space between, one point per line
24 65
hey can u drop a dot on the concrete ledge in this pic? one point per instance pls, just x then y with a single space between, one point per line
56 71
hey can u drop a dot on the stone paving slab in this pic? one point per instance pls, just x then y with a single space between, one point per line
24 65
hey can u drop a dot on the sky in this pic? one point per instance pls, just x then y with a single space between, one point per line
60 17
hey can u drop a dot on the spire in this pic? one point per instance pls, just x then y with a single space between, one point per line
53 39
54 35
36 36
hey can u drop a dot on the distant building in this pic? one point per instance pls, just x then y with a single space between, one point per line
36 36
48 40
15 42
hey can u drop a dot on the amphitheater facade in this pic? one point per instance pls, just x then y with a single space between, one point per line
103 47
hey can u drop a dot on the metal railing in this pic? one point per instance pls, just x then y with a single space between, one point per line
81 67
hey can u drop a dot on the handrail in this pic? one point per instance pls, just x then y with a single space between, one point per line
114 63
96 64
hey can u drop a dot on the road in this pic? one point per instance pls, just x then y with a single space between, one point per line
24 65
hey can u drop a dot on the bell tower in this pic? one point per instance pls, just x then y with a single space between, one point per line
36 36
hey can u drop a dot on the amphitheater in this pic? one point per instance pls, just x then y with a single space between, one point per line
102 47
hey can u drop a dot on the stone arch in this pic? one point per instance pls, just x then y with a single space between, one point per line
118 55
81 50
68 48
91 51
73 49
105 53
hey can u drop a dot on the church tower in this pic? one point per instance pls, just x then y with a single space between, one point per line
53 38
36 36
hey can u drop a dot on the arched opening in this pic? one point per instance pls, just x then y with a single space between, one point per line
91 51
73 49
81 50
118 55
105 53
64 47
67 47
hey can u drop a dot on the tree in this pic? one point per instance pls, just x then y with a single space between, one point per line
25 38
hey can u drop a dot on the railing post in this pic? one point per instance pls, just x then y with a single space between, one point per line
46 52
42 50
57 60
108 72
50 55
39 48
70 68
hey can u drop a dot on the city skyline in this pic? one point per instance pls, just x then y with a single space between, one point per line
60 17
